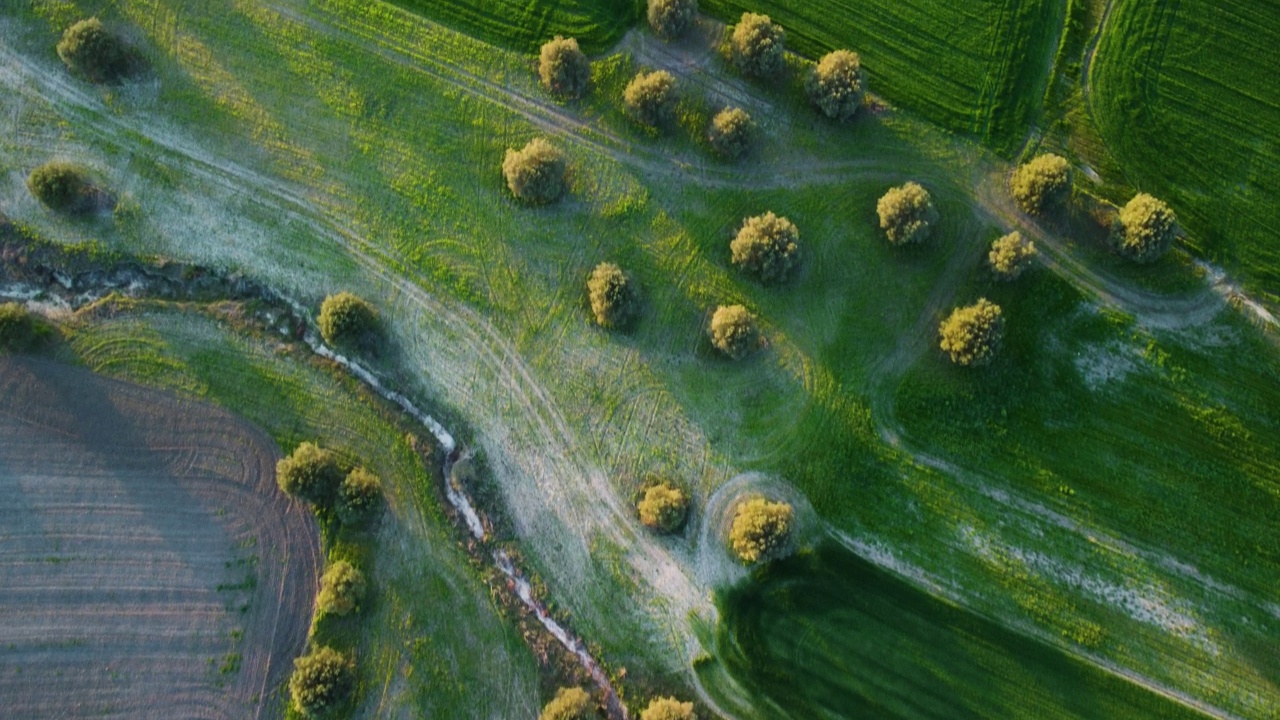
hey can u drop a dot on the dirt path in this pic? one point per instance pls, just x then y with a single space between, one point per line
150 568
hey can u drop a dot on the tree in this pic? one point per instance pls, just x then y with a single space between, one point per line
59 186
761 530
663 507
767 246
614 300
670 18
757 45
342 589
359 496
347 320
668 708
732 133
569 704
971 335
311 473
564 70
907 214
322 680
535 173
1011 255
1145 229
733 331
1042 185
92 52
836 84
650 98
19 330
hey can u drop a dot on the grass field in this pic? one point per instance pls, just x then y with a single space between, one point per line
524 26
1184 94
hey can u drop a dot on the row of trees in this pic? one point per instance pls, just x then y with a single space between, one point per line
574 703
319 477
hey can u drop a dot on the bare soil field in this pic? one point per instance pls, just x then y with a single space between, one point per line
149 567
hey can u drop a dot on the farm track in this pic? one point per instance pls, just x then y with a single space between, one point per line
146 546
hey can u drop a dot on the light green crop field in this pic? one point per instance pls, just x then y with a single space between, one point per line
597 24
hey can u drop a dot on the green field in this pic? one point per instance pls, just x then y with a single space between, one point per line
524 26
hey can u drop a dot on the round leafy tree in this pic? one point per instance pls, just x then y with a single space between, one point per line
614 300
19 330
668 708
732 132
563 68
650 98
1042 185
569 704
757 45
322 680
670 18
836 84
59 186
92 52
1011 255
733 331
767 246
535 173
761 530
359 497
663 507
907 214
311 473
971 335
341 589
347 320
1145 230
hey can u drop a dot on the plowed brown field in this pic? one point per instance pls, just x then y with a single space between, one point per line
149 567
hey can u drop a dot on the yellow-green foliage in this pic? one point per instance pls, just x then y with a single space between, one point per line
650 98
767 246
19 331
359 497
92 52
971 335
761 530
563 68
613 296
1042 185
907 214
1011 255
732 132
569 704
733 331
668 708
321 681
59 186
757 45
670 18
1145 229
535 173
342 588
346 320
836 84
310 473
663 507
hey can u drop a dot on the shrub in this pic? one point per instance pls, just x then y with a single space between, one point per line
733 331
341 589
757 45
322 680
59 186
535 173
971 335
92 52
670 18
359 496
767 246
907 214
614 300
311 473
346 320
761 530
569 704
1011 255
19 330
1145 229
1042 185
732 132
563 68
650 98
668 708
663 507
836 84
